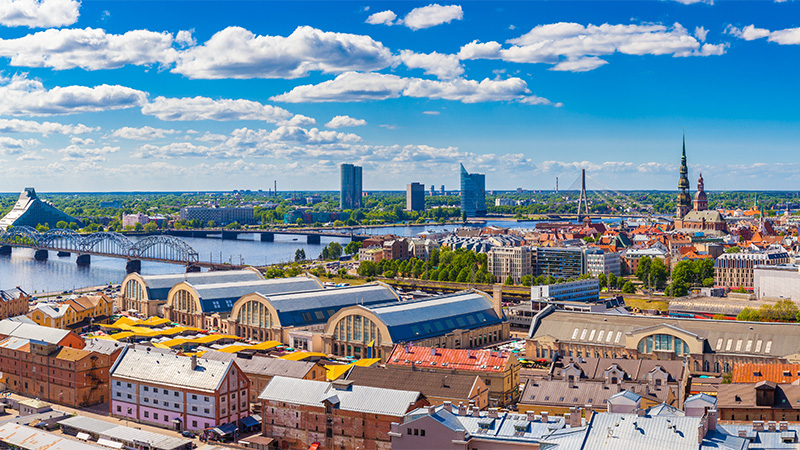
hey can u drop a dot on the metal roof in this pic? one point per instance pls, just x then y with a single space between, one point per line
33 332
364 399
263 365
87 424
220 297
138 364
415 320
431 384
158 441
765 440
158 286
28 438
316 307
629 431
12 294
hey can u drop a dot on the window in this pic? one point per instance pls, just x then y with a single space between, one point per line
176 405
119 408
206 411
129 385
205 399
118 383
155 416
146 400
194 424
194 397
422 433
119 394
176 393
129 396
194 408
146 414
146 389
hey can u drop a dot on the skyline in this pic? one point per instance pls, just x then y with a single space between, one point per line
106 96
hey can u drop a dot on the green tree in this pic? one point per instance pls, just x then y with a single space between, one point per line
709 282
602 280
61 224
138 227
464 216
300 255
463 276
367 269
658 274
212 224
509 281
526 280
352 247
299 221
748 314
612 281
150 227
733 250
628 288
643 270
678 289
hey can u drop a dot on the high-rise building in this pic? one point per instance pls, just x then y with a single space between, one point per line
433 190
32 211
415 197
473 193
351 187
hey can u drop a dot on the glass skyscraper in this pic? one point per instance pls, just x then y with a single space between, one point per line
473 193
351 187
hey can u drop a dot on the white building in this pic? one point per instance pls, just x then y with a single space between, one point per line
777 282
598 262
514 262
573 291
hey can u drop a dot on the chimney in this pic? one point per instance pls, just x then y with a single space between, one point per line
530 416
589 412
758 425
783 425
712 419
742 433
431 409
568 419
476 412
574 417
701 433
194 362
448 405
641 412
462 410
545 416
433 351
771 425
497 300
493 413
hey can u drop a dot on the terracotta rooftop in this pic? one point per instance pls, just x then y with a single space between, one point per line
447 358
777 373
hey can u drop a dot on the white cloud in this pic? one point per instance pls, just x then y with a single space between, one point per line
700 33
81 141
345 121
237 53
432 15
788 36
382 18
89 48
572 46
30 157
204 108
431 113
356 87
441 65
11 146
298 120
173 150
580 64
86 154
145 133
24 96
693 2
39 13
43 128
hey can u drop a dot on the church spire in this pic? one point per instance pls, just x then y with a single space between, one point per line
684 200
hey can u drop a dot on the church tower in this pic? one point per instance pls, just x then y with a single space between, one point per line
684 199
700 201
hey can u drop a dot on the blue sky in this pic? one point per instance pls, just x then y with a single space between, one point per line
124 95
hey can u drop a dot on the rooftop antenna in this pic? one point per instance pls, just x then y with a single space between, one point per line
582 198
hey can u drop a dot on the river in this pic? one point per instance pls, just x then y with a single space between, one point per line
62 273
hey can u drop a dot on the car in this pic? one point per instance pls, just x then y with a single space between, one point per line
187 434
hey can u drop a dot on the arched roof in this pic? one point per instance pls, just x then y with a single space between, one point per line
316 307
158 286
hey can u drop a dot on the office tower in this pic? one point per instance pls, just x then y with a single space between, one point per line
415 197
351 187
473 193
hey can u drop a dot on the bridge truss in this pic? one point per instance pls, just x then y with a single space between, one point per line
155 248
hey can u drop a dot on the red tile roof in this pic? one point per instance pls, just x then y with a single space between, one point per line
753 373
447 358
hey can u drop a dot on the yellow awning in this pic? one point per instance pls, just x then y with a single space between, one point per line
366 362
333 372
299 356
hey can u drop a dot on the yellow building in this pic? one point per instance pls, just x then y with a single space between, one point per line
74 313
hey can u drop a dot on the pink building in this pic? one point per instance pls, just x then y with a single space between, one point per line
160 388
130 220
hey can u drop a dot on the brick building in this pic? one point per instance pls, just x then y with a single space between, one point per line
44 369
13 302
163 389
337 415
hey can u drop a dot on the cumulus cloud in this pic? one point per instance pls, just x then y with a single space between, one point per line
440 65
76 152
382 18
11 146
39 13
432 15
238 53
298 120
24 96
700 33
43 128
789 36
345 121
572 46
89 48
172 150
357 87
204 108
145 133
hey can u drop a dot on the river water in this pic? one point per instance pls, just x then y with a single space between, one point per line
62 273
